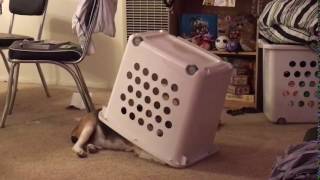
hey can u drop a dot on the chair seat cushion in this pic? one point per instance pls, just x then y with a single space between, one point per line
7 39
39 50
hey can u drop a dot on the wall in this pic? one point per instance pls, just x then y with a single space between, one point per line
99 69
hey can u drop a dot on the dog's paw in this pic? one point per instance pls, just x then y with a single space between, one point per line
79 152
91 148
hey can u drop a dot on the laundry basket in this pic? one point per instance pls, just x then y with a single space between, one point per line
168 98
289 83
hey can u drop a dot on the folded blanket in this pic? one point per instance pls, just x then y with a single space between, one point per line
290 21
300 162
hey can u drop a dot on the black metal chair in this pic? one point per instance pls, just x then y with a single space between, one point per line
67 56
24 8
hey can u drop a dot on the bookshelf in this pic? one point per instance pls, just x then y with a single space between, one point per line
242 7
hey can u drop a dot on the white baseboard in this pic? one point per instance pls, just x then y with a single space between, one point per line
50 81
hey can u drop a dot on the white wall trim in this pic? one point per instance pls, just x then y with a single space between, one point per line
51 81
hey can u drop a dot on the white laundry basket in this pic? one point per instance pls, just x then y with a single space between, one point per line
168 98
289 83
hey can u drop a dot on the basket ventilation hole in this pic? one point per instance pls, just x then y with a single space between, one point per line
306 94
313 63
129 75
291 103
167 110
154 77
146 85
123 110
148 113
137 80
297 74
303 64
136 66
176 102
168 124
156 105
132 116
147 99
292 63
301 104
130 89
140 121
138 94
155 91
302 83
317 74
286 74
131 102
291 83
139 108
165 96
123 97
164 82
159 132
150 127
312 84
158 119
174 87
145 71
311 104
285 93
307 74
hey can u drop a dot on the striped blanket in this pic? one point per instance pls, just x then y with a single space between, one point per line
290 21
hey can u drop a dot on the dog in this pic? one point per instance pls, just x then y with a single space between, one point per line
91 135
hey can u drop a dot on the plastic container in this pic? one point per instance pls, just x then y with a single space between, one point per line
168 97
289 83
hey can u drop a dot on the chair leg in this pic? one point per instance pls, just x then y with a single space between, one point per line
78 83
5 60
85 88
43 80
14 88
8 98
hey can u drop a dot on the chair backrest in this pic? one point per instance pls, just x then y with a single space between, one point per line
28 8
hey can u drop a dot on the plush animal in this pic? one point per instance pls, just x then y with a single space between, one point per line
233 46
248 33
242 28
221 43
207 41
224 25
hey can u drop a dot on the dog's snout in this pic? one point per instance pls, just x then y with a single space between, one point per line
74 139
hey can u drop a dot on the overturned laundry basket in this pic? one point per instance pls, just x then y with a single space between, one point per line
168 98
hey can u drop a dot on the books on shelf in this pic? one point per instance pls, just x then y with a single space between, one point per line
238 89
240 80
249 98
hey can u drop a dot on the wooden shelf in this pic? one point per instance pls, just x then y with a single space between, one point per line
225 53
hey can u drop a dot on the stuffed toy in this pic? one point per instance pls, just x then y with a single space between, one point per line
248 33
221 43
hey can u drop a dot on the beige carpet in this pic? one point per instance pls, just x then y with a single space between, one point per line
35 145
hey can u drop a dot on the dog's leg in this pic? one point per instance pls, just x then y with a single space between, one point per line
144 155
91 148
83 139
114 144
